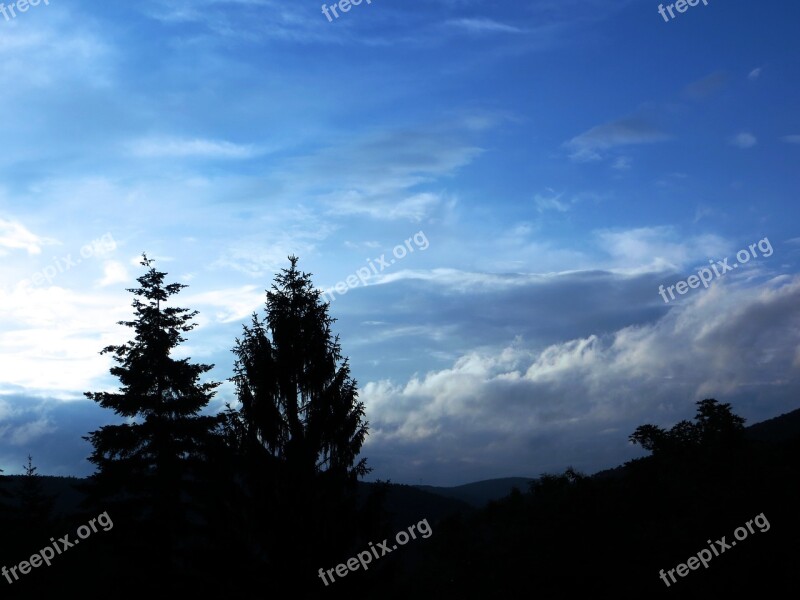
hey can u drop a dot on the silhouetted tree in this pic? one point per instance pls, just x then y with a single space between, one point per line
650 437
35 506
302 426
150 466
717 425
716 428
554 485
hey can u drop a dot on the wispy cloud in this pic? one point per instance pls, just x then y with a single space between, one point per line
15 236
743 140
702 88
386 174
657 248
413 208
624 132
171 147
551 202
622 163
483 26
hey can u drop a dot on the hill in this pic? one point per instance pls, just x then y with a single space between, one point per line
480 493
780 429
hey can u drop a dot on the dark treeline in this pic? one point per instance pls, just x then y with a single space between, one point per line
222 505
615 532
252 502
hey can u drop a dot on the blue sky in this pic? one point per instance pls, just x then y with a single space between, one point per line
558 161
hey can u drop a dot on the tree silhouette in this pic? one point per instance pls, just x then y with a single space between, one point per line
35 506
298 402
150 466
716 429
300 425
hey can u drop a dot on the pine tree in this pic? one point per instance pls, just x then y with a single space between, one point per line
149 467
36 507
302 426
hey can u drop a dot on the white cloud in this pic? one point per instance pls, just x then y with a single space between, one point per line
507 407
483 26
413 208
622 163
15 236
791 139
657 248
754 74
552 202
114 272
744 140
171 147
52 337
227 305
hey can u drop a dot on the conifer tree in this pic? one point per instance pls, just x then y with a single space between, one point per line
35 506
149 467
300 424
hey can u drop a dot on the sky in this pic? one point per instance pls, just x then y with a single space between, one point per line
490 192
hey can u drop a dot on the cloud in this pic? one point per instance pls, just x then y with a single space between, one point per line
15 236
702 212
258 258
385 174
517 410
250 21
483 26
744 140
624 132
622 163
706 86
227 305
412 208
651 249
29 432
791 139
52 338
754 74
114 272
51 431
552 202
391 161
170 147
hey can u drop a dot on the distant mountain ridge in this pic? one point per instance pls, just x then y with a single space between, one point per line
479 493
410 503
779 429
